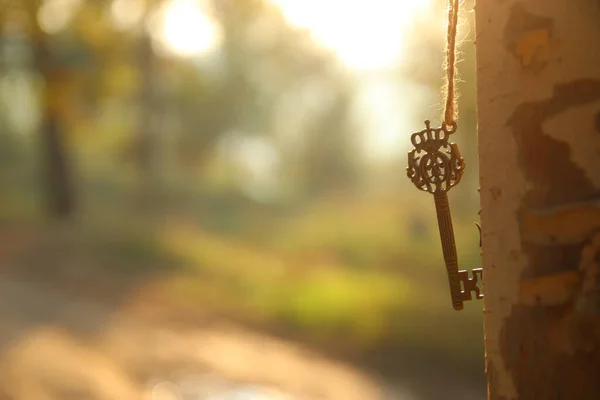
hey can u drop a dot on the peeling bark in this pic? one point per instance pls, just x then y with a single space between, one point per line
539 150
561 225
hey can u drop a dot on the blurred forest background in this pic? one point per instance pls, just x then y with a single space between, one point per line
240 159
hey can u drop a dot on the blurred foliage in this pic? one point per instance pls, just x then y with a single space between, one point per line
239 172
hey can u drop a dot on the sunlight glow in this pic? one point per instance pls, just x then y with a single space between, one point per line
187 29
54 15
365 34
387 116
126 14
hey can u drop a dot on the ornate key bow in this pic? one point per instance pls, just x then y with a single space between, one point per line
435 166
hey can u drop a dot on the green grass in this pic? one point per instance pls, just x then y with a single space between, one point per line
325 273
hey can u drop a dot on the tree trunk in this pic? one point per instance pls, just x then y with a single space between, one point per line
146 139
57 179
539 148
147 100
57 182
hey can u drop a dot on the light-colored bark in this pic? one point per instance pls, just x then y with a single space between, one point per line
538 64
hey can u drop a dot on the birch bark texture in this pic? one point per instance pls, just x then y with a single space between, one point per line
538 89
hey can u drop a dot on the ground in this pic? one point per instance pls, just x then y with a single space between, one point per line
76 333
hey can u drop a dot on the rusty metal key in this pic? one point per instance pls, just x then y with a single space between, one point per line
435 166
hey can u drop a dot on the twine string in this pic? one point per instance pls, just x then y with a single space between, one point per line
450 110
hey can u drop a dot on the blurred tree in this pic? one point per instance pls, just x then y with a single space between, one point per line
204 112
149 101
331 157
87 60
78 57
262 60
56 65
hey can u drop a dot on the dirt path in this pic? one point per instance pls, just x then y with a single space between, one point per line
57 347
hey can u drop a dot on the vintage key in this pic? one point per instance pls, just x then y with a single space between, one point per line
435 166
